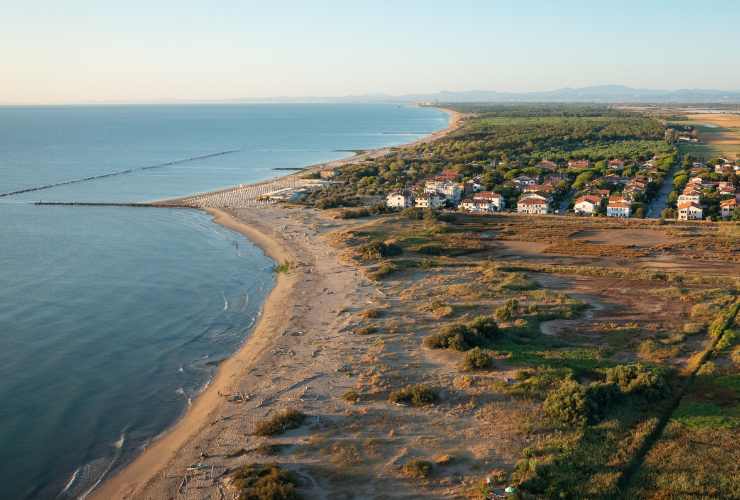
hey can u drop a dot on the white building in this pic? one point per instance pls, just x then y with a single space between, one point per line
533 205
399 199
430 200
587 205
482 202
690 211
618 207
727 207
451 190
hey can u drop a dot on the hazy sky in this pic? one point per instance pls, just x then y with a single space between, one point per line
143 51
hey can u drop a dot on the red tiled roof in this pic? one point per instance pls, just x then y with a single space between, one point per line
532 201
687 204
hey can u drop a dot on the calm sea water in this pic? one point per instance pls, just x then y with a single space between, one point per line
112 319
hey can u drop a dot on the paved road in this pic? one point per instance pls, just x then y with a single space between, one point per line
660 201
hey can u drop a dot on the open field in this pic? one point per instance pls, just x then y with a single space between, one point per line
569 310
719 133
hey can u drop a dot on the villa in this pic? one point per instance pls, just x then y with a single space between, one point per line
587 204
399 199
689 210
618 207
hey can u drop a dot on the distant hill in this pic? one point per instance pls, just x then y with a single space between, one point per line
598 94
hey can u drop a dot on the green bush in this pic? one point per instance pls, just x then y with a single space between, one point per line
508 311
279 423
418 469
568 404
379 250
476 359
264 482
463 337
637 379
414 395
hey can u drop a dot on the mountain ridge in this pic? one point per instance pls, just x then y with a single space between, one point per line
608 93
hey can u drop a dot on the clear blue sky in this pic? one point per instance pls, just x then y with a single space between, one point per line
143 51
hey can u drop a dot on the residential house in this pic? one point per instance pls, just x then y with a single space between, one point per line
691 197
533 204
523 181
616 164
727 207
400 199
587 204
547 165
539 188
472 186
689 210
483 202
579 164
447 175
618 207
450 190
430 200
726 188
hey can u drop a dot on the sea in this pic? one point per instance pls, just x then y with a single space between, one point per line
113 319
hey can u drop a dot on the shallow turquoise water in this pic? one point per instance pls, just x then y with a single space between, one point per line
111 319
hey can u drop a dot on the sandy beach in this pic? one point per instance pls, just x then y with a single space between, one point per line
294 358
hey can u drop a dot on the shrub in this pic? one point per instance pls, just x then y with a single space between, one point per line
462 337
476 359
279 423
577 405
637 379
415 395
568 404
418 469
508 310
366 330
264 482
379 250
430 249
351 396
283 267
600 396
384 269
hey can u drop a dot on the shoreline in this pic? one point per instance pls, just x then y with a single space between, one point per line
152 461
163 448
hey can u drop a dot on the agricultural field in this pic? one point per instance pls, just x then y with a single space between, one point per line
561 357
719 134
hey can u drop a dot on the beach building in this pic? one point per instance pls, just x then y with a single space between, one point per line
430 200
533 204
450 190
618 207
587 204
689 210
399 199
727 208
483 202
